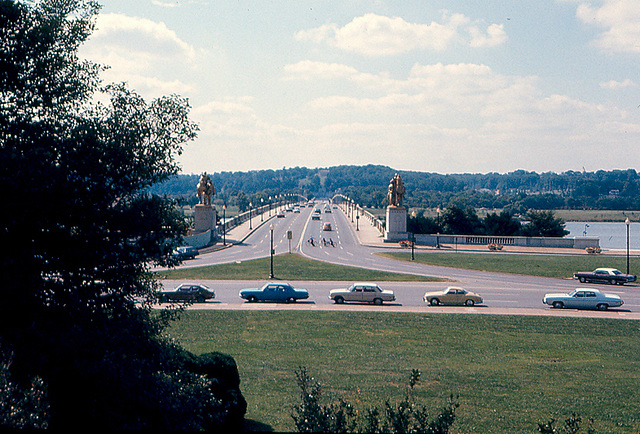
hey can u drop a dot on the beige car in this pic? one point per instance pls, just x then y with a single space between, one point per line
362 292
452 296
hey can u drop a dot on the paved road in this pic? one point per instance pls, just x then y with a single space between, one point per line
502 293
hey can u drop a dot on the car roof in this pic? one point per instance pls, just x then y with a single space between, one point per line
365 283
606 269
587 289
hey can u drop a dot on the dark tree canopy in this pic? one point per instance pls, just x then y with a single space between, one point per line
80 232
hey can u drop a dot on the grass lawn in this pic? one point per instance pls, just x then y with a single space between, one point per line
534 265
288 267
510 372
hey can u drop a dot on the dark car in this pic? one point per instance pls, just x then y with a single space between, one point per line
185 252
604 275
274 292
187 292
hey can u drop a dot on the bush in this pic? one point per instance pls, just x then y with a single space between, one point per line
341 416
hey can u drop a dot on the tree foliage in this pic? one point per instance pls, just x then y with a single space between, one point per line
81 231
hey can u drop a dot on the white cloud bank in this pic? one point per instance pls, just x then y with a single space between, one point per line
377 35
620 20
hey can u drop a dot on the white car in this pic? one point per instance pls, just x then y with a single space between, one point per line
363 292
583 298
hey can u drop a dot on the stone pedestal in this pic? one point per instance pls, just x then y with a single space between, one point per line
396 225
204 218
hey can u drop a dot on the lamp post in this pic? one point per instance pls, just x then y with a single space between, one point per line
271 251
250 205
413 245
224 224
628 223
357 222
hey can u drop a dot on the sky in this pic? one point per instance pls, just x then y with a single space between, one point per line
444 86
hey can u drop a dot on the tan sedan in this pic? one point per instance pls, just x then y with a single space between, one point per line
453 296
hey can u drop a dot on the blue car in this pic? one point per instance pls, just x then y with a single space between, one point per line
274 292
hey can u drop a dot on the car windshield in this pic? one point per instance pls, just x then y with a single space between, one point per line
616 271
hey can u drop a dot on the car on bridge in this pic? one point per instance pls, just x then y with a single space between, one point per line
189 292
326 226
604 275
583 298
282 292
452 296
363 292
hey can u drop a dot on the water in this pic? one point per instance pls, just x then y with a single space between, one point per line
613 236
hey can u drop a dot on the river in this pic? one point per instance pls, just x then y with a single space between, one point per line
613 235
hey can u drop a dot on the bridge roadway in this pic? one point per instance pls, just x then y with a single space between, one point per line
502 293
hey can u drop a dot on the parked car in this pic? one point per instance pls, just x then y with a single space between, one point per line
274 292
187 292
280 215
363 292
583 298
452 296
604 275
326 226
185 252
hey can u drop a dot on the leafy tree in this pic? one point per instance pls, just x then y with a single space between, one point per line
455 220
81 233
543 224
501 224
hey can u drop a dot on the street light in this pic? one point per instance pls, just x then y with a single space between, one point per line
224 224
271 251
627 222
261 209
250 205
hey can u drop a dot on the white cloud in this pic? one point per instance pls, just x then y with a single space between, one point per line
615 85
377 35
620 20
165 4
146 54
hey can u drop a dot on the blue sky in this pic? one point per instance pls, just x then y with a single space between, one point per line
439 86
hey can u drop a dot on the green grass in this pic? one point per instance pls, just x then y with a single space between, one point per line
510 372
534 265
288 267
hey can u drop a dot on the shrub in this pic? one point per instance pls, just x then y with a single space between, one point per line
341 416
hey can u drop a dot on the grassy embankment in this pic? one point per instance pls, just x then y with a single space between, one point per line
533 265
295 267
288 267
510 372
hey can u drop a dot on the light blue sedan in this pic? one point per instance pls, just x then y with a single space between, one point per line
274 292
583 298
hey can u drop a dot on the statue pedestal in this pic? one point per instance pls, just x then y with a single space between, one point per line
204 218
396 225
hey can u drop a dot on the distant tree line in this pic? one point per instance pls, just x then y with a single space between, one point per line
456 220
517 191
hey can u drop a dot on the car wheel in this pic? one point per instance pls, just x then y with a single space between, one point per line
434 302
582 280
377 301
612 282
602 306
469 302
558 304
252 299
339 300
291 300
